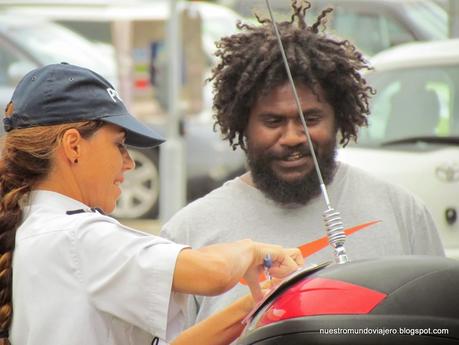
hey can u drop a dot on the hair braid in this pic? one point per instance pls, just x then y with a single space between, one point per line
25 161
251 65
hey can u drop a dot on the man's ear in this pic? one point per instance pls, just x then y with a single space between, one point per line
71 145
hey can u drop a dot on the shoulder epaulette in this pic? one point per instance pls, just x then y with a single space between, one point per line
81 210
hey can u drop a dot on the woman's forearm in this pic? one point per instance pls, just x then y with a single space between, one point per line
213 269
216 268
221 328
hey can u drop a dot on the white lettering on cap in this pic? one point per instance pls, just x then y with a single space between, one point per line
114 94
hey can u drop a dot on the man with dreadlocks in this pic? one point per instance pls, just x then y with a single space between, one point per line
279 200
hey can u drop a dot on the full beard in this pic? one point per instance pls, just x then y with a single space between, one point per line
300 191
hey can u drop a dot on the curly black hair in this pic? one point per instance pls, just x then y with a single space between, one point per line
251 65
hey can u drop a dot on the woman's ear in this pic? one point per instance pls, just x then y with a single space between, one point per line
71 145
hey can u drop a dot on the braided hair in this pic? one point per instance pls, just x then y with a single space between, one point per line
25 161
251 65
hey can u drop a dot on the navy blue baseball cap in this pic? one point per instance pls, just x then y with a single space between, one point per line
64 93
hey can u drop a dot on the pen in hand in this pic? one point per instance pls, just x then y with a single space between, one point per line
267 263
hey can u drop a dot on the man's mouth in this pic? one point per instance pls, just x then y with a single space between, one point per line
294 156
295 160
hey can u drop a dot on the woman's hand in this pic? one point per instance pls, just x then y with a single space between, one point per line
284 262
214 269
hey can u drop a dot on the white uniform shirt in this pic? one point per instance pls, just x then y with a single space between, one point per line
86 279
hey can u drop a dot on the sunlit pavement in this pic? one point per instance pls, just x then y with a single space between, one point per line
148 225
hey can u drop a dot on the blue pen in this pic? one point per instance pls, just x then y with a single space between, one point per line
267 263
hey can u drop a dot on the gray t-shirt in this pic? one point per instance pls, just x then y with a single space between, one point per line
384 220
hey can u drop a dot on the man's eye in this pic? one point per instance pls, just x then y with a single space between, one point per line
272 121
312 120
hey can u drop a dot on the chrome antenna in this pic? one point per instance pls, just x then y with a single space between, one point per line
333 223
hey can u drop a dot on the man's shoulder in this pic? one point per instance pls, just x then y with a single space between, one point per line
364 182
354 172
203 212
222 195
359 176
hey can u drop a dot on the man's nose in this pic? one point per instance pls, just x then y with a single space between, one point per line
293 134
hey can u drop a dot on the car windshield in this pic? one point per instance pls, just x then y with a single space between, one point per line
429 17
417 104
52 43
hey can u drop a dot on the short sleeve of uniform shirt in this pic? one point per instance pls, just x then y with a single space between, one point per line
127 273
83 272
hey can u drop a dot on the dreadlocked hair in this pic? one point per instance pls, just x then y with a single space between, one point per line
251 65
25 161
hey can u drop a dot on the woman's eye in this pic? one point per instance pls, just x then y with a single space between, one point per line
122 147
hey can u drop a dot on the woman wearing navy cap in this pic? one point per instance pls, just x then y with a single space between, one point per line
78 276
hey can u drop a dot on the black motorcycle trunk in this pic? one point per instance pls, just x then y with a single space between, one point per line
397 300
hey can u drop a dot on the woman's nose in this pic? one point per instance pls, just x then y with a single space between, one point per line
128 162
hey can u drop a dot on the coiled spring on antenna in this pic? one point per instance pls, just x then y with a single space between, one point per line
336 235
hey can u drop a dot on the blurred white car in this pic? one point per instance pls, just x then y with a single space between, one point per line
413 135
102 22
26 44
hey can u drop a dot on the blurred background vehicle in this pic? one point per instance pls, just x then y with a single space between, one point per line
373 25
209 163
443 3
413 133
136 29
27 42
